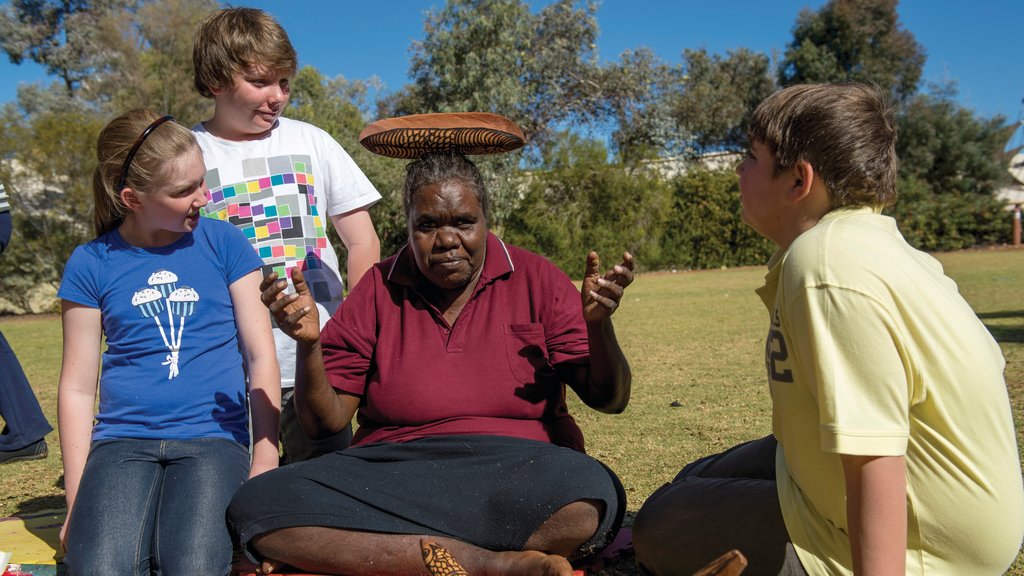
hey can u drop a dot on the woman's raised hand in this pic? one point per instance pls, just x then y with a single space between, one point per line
295 314
601 294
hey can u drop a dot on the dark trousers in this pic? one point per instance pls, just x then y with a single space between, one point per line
714 505
19 408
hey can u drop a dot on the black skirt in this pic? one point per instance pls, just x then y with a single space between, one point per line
490 491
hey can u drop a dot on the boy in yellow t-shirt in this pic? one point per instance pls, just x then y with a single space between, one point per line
893 448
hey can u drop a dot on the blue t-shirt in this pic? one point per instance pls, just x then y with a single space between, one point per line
172 367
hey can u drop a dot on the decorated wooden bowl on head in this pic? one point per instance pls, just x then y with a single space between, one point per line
470 133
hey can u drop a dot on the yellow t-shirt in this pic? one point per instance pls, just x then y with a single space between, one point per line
872 351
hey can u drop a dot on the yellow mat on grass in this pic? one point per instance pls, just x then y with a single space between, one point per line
33 538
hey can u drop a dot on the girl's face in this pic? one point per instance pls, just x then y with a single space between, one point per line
171 209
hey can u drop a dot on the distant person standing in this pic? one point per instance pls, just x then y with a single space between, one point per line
25 427
279 180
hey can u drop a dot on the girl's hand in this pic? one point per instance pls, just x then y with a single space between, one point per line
601 294
295 314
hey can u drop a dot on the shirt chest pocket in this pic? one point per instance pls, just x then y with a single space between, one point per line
527 352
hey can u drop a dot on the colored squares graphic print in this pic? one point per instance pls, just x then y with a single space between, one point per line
275 207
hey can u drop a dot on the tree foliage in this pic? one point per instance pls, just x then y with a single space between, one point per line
952 163
719 94
63 36
497 56
154 61
949 221
579 202
854 40
948 147
51 192
636 97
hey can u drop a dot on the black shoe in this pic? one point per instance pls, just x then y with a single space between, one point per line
33 451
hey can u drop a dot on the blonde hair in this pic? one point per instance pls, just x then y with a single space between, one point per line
847 132
167 142
229 41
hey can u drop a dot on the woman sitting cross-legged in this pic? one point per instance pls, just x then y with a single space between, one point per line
456 352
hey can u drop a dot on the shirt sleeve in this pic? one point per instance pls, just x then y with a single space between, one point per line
347 188
564 328
852 358
237 254
80 283
349 338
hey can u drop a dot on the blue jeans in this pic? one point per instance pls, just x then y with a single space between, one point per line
25 423
155 506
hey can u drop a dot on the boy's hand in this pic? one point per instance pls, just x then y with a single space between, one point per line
296 314
601 294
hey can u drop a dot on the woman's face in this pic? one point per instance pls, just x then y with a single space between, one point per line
447 233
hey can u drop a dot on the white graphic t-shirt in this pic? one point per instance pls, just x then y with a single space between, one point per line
281 191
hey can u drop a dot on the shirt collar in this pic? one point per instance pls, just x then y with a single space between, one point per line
497 263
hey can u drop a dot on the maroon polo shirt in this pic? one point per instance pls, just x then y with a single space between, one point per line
492 372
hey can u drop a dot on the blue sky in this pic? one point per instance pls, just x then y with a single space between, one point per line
978 44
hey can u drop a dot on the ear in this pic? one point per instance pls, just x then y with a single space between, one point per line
804 179
131 200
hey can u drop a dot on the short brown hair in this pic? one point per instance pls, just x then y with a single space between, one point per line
167 142
847 132
229 41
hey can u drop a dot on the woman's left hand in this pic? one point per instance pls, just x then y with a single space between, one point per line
296 314
602 294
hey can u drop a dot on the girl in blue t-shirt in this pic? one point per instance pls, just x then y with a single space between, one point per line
150 474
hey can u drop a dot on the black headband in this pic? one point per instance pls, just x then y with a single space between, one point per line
135 148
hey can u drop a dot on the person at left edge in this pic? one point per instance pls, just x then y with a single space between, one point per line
25 426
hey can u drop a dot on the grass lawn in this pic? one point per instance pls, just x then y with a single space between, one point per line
694 338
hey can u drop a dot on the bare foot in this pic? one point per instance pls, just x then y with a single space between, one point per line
531 563
270 567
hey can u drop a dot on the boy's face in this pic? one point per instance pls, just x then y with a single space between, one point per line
762 193
249 108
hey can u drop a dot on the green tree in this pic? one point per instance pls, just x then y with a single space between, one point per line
636 96
579 202
110 55
705 229
951 164
948 221
50 184
497 56
151 49
63 36
538 69
854 40
719 94
950 148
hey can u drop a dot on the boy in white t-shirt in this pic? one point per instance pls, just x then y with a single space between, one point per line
893 448
279 180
